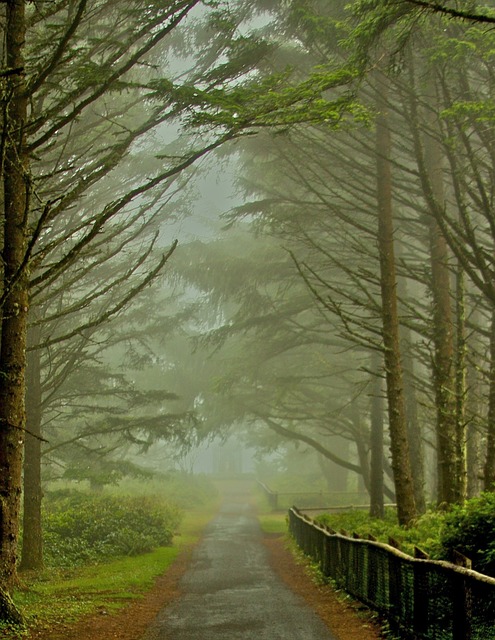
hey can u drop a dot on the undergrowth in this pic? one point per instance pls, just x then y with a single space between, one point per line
80 528
425 533
468 529
56 596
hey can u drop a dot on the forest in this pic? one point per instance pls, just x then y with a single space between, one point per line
272 220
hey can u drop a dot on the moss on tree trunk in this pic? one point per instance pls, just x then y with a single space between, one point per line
8 611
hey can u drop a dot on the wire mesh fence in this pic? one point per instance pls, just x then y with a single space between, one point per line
420 598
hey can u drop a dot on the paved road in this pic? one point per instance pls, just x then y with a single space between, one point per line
231 593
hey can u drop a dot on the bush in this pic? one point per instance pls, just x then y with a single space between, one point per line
425 533
470 529
80 528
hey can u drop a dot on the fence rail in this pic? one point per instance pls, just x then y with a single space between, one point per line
314 499
422 599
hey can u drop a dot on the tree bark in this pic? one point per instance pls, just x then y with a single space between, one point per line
415 436
450 427
377 509
399 446
450 485
15 295
489 467
474 447
32 545
461 390
8 611
414 431
474 411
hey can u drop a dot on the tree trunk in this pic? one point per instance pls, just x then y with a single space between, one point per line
377 509
489 469
32 546
399 446
415 436
15 291
444 382
461 385
473 457
474 419
335 475
449 430
8 611
414 431
362 446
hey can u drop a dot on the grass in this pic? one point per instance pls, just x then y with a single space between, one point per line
110 585
270 521
273 522
53 597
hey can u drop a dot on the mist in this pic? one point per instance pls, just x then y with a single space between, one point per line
247 243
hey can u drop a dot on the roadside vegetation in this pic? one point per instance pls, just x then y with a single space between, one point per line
104 550
425 533
54 598
468 529
81 528
271 522
275 523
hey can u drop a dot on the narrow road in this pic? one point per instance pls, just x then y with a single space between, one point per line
231 593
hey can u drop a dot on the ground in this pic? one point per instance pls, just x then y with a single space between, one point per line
346 620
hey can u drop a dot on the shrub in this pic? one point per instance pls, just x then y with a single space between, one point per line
470 529
80 528
424 533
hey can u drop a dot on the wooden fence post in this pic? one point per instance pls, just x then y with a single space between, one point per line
421 597
395 587
462 601
372 572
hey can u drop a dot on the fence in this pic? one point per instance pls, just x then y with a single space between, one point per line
422 599
281 500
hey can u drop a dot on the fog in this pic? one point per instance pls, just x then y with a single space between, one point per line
252 238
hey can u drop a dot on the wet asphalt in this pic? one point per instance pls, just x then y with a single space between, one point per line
230 591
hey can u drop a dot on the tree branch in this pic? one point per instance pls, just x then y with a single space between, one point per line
119 306
11 72
114 207
435 7
50 66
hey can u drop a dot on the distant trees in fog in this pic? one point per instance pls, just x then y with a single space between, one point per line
409 193
359 265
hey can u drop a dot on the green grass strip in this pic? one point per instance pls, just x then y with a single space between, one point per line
55 597
273 522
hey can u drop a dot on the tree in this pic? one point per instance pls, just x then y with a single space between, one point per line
451 478
464 239
16 187
82 400
399 442
278 364
61 63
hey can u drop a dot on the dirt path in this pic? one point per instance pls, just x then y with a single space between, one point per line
155 615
